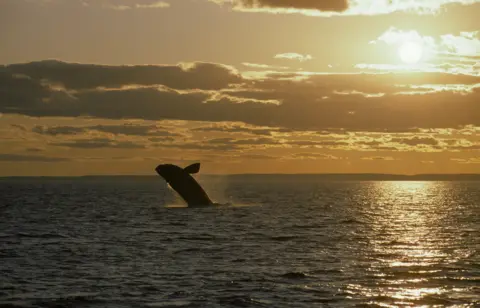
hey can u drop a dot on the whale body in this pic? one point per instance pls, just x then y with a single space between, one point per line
184 184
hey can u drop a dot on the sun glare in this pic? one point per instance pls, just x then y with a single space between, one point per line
410 52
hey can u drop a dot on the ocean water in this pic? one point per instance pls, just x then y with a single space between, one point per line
289 241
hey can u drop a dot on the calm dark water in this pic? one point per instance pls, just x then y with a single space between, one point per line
293 241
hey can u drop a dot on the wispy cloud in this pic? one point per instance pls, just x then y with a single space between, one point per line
293 56
154 5
124 7
471 160
378 158
312 156
242 129
264 66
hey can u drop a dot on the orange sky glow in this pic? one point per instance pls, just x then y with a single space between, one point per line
244 86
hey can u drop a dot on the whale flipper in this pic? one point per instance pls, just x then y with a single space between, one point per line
193 168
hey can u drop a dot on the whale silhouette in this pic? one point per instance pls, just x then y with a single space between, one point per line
184 184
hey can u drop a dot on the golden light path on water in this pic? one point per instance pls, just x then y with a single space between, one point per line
410 247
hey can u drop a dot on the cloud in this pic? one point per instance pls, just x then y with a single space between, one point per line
341 7
98 143
125 129
257 156
118 7
34 149
471 160
198 146
378 158
223 144
293 56
462 145
161 139
456 53
31 158
312 156
445 67
58 130
264 66
123 7
19 127
414 141
369 102
153 5
197 75
241 129
226 98
394 36
466 44
358 141
21 90
245 142
318 144
287 6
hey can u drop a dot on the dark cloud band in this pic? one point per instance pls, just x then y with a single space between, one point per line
319 5
349 102
75 76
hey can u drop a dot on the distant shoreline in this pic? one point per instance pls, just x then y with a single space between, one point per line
321 176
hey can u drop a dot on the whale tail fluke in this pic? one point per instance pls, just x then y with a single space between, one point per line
193 168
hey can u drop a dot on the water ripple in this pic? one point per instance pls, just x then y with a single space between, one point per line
303 243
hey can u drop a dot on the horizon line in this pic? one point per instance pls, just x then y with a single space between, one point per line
247 174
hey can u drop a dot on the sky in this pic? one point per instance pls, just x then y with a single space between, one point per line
243 86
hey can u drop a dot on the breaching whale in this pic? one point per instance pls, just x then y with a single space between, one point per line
184 184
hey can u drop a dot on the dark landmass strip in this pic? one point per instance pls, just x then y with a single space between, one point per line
324 177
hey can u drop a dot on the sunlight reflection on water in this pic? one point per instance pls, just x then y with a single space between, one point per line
408 239
287 242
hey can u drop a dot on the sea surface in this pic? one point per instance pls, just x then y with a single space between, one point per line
285 241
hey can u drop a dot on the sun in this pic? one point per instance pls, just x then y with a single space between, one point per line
410 52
